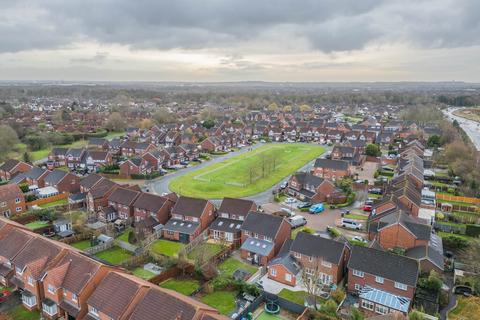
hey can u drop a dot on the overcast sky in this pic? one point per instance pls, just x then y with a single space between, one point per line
231 40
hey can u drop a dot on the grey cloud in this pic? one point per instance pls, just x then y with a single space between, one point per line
328 25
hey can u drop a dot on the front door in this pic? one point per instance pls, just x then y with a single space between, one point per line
184 238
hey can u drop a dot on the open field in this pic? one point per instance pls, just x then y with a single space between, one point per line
467 308
246 174
468 113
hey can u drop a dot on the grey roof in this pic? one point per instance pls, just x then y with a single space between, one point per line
426 253
181 226
226 225
389 300
419 229
331 164
314 246
305 178
9 165
18 178
59 151
239 207
262 223
260 247
90 180
189 206
55 176
34 173
75 152
384 264
288 261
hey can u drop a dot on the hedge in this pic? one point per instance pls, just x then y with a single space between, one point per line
472 230
146 176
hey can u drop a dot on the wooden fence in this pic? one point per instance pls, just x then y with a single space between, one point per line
41 201
172 273
202 237
447 197
100 247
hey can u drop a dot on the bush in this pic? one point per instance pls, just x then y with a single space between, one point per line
330 308
432 283
338 295
455 242
333 232
146 176
472 230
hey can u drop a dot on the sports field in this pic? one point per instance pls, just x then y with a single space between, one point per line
246 174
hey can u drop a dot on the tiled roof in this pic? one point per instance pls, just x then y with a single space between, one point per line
234 206
189 206
315 246
10 192
13 242
150 202
331 164
124 196
263 224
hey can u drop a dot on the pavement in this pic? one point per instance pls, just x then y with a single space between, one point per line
160 185
471 128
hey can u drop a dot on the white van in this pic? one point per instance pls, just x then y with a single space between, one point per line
297 221
351 224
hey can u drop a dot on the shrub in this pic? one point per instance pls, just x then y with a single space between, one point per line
338 295
330 308
333 232
415 315
472 230
432 283
455 242
356 315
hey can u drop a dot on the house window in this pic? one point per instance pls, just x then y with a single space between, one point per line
195 219
379 279
367 305
30 280
288 277
247 233
51 288
357 273
358 287
273 272
19 271
17 200
267 239
326 264
3 204
297 255
74 297
381 309
18 209
29 300
50 310
93 311
224 215
400 286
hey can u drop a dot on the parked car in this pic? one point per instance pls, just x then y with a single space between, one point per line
351 224
317 208
297 221
303 205
367 208
375 190
290 200
4 295
358 238
289 212
283 185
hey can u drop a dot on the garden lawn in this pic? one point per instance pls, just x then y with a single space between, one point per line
167 248
20 313
124 236
115 255
142 273
223 301
183 286
208 249
297 297
230 265
355 216
54 203
81 245
467 308
37 224
39 154
248 173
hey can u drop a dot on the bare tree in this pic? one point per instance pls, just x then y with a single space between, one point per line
311 276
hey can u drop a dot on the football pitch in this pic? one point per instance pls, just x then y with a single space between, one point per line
246 174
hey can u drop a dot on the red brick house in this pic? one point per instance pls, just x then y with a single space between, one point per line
190 217
331 169
97 197
314 255
231 214
136 166
150 205
262 237
122 200
12 240
308 187
399 230
62 181
154 157
11 167
385 282
36 177
90 181
12 200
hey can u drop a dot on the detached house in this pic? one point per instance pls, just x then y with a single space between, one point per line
262 237
135 166
97 197
231 214
385 282
307 187
35 177
74 158
11 167
190 217
331 169
314 255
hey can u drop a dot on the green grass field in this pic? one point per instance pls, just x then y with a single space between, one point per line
37 224
183 286
167 248
223 301
54 203
142 273
230 265
115 255
246 174
82 245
